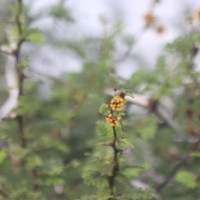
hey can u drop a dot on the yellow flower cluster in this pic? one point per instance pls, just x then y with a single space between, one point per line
113 121
117 103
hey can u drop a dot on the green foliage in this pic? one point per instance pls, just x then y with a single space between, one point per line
186 178
35 36
103 166
23 63
132 172
195 154
59 147
61 13
3 156
104 109
184 45
148 127
104 130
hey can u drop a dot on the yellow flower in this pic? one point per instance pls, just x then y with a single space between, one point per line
149 19
112 121
117 103
197 14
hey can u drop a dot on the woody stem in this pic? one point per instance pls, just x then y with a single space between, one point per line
115 167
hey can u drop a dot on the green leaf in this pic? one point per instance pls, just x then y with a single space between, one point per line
56 170
126 143
148 127
104 109
186 178
106 143
195 154
61 146
52 180
104 130
132 172
75 163
35 36
3 156
34 161
61 12
22 64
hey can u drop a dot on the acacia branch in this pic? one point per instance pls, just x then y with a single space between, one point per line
156 108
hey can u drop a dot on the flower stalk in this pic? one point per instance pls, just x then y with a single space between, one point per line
113 118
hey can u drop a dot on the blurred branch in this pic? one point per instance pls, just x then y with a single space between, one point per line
4 194
10 75
21 77
19 16
165 116
5 51
172 173
124 56
20 118
5 20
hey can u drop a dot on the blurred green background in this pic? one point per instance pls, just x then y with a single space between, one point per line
66 56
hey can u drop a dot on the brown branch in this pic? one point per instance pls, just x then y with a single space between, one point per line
20 118
19 16
20 73
4 194
35 185
115 167
123 56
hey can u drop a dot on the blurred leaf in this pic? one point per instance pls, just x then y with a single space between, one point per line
3 156
104 109
132 172
52 180
125 143
195 154
104 130
148 127
35 36
23 63
34 161
61 12
186 178
56 170
75 163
